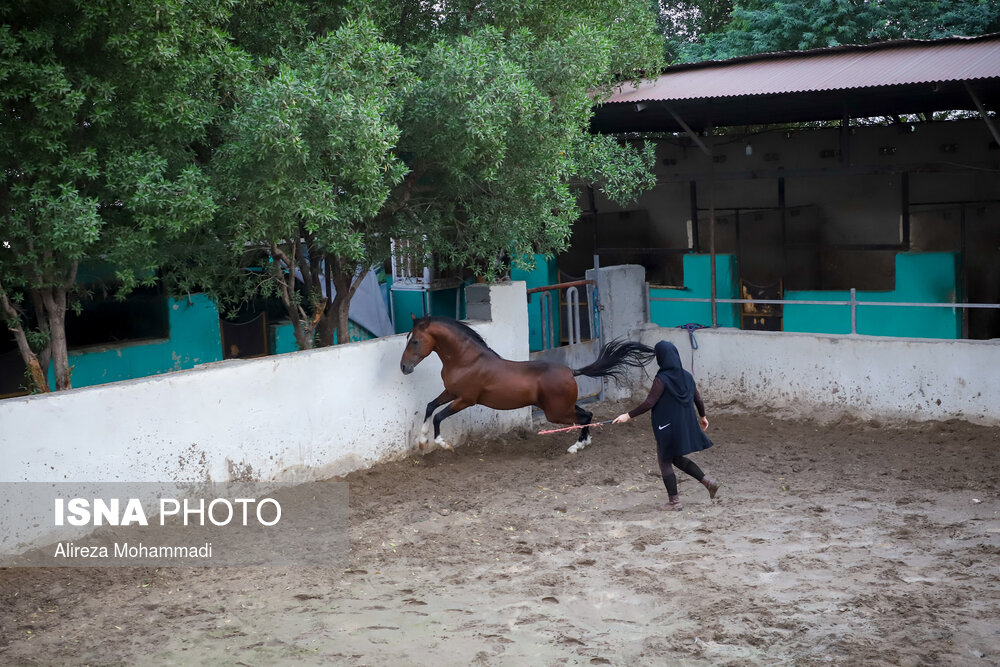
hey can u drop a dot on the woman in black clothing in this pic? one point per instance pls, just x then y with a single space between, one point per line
674 423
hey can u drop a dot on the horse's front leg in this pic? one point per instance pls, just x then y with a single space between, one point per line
456 406
431 407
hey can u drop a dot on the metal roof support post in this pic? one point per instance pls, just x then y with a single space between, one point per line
962 254
711 228
784 237
593 218
982 112
904 214
854 310
695 243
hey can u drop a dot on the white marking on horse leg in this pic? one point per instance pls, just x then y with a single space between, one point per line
424 430
440 442
580 444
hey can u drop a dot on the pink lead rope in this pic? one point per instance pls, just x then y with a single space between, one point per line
571 428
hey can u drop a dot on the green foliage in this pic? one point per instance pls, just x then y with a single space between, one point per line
469 138
628 26
100 104
686 22
496 130
311 147
759 27
211 137
306 162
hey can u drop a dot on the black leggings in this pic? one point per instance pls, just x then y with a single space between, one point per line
683 463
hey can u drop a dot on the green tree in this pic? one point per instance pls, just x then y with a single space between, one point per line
466 136
759 27
685 22
496 131
102 106
308 133
305 164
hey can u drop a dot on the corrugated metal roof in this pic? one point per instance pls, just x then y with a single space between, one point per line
903 62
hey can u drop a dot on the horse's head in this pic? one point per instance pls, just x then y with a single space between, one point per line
419 344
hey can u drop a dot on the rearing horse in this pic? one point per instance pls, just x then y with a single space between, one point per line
474 374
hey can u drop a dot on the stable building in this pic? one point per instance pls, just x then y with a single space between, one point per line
832 180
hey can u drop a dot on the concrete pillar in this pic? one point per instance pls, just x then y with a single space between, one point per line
622 315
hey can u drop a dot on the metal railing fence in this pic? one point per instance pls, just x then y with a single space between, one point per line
574 333
852 302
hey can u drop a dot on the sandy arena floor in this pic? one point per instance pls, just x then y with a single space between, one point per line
841 543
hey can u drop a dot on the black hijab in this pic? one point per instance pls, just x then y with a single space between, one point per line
676 381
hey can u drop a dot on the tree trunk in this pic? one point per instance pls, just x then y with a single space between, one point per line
346 282
54 299
303 337
303 326
327 326
339 319
39 381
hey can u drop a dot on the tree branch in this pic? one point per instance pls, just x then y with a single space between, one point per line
286 295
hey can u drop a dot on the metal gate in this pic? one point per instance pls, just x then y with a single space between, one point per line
570 328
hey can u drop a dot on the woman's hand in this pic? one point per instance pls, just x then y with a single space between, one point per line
621 419
704 423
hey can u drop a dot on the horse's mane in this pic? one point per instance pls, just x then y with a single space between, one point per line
459 328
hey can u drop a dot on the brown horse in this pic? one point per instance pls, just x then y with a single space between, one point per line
474 374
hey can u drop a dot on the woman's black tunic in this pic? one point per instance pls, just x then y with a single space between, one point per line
675 424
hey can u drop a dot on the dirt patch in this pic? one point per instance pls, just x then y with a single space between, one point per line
839 542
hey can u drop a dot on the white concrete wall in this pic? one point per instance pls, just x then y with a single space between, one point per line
298 416
793 374
862 376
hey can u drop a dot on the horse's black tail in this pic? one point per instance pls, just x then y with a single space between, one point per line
616 357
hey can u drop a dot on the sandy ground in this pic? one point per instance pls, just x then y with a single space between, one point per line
830 543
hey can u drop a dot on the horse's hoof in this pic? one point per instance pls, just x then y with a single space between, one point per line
574 449
440 442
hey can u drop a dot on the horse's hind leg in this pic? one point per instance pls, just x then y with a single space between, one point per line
582 417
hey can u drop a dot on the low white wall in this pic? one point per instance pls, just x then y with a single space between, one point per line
298 416
864 376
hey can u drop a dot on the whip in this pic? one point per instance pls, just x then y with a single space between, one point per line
571 428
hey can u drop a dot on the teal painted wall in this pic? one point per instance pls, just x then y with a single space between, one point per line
817 319
698 285
931 277
545 273
194 339
442 303
282 338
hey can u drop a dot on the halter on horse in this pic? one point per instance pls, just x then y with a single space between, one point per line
474 374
